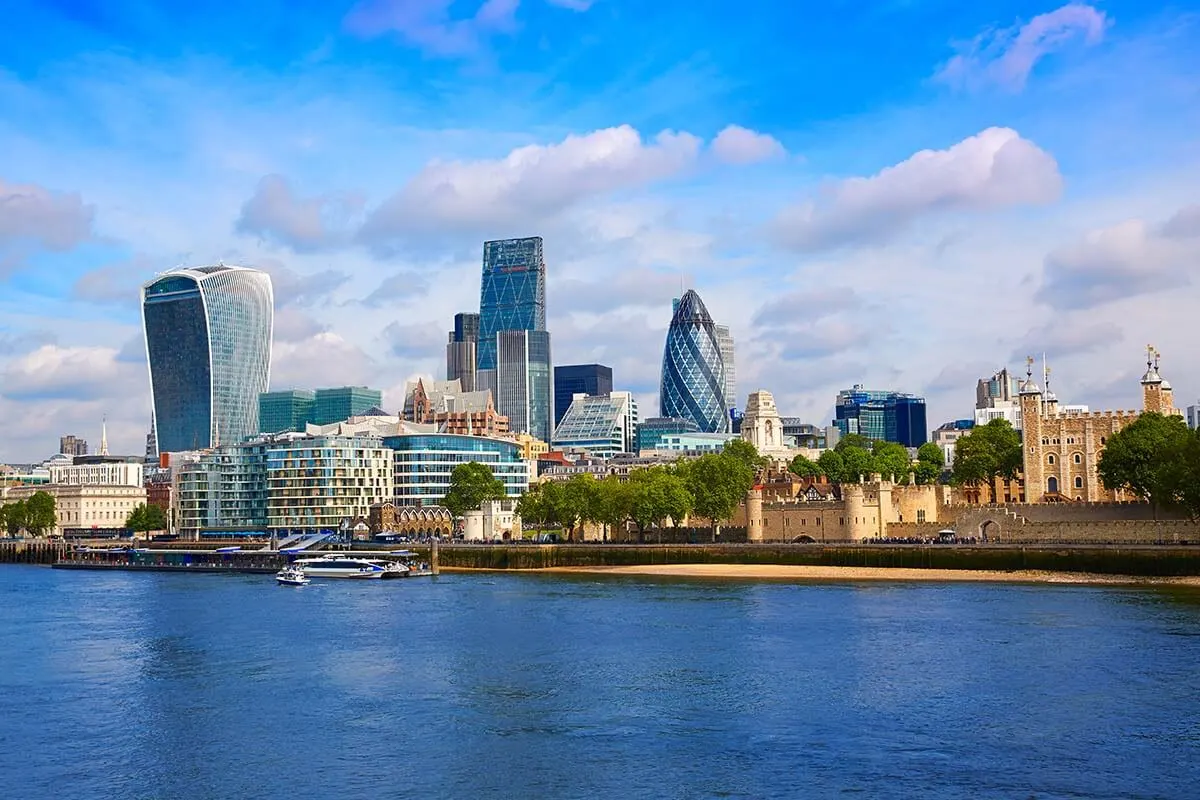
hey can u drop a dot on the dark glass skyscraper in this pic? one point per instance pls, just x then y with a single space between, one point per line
693 375
513 352
890 416
208 342
593 379
461 349
513 293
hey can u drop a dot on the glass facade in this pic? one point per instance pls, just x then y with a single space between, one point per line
725 344
289 410
524 392
652 431
461 351
890 416
226 490
338 405
602 425
593 379
208 342
512 295
314 484
423 463
693 373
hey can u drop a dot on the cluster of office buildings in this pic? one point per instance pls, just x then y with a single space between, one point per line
225 453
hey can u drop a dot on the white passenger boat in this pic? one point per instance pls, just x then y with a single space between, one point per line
343 566
292 575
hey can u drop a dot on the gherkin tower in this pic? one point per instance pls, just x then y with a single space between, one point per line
693 373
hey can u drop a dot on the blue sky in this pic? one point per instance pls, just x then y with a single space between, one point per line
903 193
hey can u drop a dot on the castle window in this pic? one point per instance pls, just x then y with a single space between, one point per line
1045 440
1078 483
1050 459
920 515
1078 458
1102 440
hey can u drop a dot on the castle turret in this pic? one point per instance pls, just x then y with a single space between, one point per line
1032 462
754 515
1156 393
857 525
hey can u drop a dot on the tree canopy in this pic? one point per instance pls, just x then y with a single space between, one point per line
36 515
745 452
146 518
655 495
804 467
718 484
930 463
988 452
471 485
1150 457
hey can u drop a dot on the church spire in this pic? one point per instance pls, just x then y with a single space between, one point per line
104 436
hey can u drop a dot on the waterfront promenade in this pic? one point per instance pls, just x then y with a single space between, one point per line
893 561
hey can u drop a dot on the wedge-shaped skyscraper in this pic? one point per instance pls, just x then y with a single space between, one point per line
693 373
208 342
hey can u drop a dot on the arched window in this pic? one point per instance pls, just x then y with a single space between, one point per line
1078 482
1050 459
1102 440
1052 485
1078 458
1045 440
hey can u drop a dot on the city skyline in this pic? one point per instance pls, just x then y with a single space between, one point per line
1032 192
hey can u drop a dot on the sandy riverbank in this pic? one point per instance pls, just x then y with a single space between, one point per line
819 573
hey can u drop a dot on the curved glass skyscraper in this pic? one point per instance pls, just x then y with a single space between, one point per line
693 373
208 342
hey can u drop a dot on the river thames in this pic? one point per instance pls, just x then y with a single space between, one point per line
120 685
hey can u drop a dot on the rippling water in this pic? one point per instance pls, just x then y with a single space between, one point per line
480 686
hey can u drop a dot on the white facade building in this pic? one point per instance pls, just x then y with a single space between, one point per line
494 519
601 425
107 474
81 508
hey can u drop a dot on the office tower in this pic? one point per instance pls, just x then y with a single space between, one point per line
725 342
512 294
650 432
890 416
461 351
512 319
342 403
208 343
70 445
590 379
524 392
693 374
599 425
287 410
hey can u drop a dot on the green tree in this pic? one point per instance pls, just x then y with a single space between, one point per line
891 461
718 484
612 503
41 513
470 486
805 467
531 507
857 463
930 463
853 440
14 515
747 453
988 452
832 465
146 518
1149 457
656 494
576 503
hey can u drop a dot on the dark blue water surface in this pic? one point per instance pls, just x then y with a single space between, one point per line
478 686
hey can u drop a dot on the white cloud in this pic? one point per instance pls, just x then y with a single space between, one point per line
992 169
275 212
430 26
55 372
33 217
529 183
1125 260
1007 56
738 145
321 359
